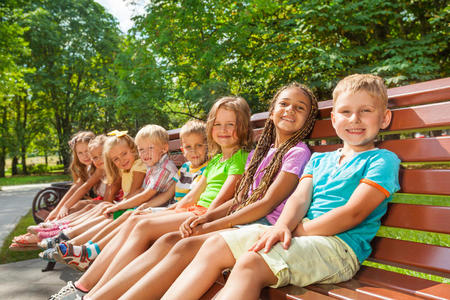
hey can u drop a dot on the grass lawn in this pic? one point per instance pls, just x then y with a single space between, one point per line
16 180
7 256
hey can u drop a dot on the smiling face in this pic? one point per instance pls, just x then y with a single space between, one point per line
151 151
122 156
289 114
194 148
82 152
357 118
224 129
96 157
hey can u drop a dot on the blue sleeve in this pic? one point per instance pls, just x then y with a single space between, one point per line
383 171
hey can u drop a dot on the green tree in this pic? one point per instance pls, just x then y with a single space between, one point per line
73 45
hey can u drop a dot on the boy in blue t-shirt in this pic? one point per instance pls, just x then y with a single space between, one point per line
325 229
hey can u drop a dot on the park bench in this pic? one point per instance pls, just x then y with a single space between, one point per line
47 199
415 235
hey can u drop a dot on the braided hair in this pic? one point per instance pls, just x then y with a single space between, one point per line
268 136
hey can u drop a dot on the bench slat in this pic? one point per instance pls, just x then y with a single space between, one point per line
409 150
413 285
417 117
417 256
418 217
434 182
291 292
340 292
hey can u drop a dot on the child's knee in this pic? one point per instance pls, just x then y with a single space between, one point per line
250 261
170 239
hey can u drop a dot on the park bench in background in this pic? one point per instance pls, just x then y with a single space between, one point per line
416 229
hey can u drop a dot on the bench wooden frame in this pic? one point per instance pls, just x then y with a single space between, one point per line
423 204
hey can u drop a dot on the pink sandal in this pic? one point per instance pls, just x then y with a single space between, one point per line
22 247
26 239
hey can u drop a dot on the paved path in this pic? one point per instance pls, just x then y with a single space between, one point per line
24 280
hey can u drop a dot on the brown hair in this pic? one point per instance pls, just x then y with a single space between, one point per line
244 129
112 172
268 136
371 84
78 169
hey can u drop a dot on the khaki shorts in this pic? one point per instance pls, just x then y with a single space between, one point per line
309 259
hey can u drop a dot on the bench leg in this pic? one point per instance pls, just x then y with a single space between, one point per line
50 266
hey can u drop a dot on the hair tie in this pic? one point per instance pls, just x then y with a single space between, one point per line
117 133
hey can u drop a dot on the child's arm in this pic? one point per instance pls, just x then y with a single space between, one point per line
80 192
112 190
216 219
136 183
161 198
295 209
363 201
54 213
134 201
227 190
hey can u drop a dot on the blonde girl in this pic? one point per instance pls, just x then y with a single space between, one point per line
271 176
229 137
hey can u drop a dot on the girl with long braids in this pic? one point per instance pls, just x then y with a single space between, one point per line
272 174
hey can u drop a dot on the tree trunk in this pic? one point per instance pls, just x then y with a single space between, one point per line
24 161
14 163
2 161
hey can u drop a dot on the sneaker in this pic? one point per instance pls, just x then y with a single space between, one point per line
80 262
69 291
48 254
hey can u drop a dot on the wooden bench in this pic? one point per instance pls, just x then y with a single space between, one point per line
415 235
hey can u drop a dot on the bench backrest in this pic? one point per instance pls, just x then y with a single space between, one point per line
416 230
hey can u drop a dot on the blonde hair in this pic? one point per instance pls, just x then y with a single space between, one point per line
78 169
154 133
244 129
112 172
193 127
98 141
373 85
265 142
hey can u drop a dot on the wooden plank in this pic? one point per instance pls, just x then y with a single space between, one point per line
400 282
427 181
417 256
213 290
339 292
409 150
418 217
420 150
291 292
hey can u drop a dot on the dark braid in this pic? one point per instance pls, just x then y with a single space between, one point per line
267 138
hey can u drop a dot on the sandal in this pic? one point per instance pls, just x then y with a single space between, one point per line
21 247
47 255
26 239
80 262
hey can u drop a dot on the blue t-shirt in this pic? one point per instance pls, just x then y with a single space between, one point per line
333 185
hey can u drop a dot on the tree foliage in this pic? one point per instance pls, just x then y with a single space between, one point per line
66 67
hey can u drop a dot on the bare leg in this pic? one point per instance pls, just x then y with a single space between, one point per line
102 261
140 239
90 233
111 226
200 274
79 229
249 276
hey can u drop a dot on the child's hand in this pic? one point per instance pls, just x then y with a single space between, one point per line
109 211
186 227
273 235
63 212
